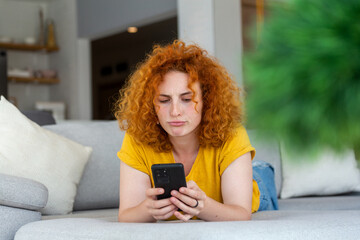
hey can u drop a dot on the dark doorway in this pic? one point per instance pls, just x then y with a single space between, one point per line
115 57
3 74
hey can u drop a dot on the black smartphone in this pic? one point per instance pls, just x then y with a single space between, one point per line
169 177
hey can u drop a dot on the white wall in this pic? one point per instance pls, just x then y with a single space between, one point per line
196 23
228 37
18 20
84 79
216 26
63 12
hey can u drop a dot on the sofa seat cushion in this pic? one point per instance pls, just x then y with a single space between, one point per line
267 224
340 202
110 214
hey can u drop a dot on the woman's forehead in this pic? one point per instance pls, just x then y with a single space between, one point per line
176 80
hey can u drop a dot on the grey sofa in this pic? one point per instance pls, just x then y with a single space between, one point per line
95 207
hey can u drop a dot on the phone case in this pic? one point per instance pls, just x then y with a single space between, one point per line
169 177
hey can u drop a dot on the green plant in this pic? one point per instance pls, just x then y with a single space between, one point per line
303 80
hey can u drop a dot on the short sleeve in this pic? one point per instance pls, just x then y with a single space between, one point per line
133 154
235 147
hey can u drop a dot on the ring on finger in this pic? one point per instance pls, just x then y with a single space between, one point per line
197 203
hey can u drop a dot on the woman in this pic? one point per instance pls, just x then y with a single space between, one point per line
181 106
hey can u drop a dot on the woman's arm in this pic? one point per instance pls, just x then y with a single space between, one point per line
138 201
236 187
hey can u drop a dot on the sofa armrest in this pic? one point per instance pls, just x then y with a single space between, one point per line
22 193
20 202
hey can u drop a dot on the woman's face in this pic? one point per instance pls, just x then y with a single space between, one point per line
175 109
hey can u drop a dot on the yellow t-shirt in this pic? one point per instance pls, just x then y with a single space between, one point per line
207 169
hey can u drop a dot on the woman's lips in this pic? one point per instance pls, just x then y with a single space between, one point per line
176 123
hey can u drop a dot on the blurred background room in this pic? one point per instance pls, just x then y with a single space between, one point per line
71 57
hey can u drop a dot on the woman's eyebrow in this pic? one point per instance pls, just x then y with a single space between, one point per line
182 94
185 93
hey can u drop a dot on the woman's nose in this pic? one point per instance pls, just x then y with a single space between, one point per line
175 109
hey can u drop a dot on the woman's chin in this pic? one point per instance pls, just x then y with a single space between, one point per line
177 133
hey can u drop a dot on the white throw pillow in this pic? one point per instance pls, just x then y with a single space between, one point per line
330 173
30 151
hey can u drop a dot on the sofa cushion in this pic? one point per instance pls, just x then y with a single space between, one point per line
22 193
268 151
340 202
40 117
108 214
30 151
13 218
99 186
322 173
275 225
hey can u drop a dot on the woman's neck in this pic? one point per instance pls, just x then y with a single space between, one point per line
186 145
185 151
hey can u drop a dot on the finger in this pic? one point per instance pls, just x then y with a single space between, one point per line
192 193
153 192
166 216
191 184
163 212
186 208
184 198
157 204
182 217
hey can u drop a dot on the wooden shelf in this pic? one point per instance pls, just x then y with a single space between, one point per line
27 47
34 80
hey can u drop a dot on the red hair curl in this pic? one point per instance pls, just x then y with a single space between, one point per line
222 108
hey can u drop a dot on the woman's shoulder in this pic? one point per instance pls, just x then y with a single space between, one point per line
130 142
237 139
238 133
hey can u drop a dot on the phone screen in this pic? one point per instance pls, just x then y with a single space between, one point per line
169 177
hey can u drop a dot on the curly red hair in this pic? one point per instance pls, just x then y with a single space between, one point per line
222 108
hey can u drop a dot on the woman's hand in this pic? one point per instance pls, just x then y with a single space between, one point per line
190 199
158 209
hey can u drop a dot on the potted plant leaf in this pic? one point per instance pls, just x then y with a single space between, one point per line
303 79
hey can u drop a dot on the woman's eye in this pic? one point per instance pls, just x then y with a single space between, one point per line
164 100
187 99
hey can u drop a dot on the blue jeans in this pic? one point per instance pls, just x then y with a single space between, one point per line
263 174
